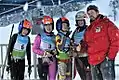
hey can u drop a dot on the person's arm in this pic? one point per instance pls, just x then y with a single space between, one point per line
58 42
113 33
28 51
36 46
10 47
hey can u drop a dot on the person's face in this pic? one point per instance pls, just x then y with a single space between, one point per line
48 28
92 14
24 31
65 27
80 22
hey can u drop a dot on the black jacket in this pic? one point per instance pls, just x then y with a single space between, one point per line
11 46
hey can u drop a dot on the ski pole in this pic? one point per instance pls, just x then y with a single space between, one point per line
73 68
6 54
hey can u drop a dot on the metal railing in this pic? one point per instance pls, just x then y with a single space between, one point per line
34 75
3 51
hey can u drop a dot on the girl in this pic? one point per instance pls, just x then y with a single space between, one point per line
63 45
18 47
44 46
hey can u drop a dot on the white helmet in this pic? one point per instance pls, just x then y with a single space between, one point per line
80 15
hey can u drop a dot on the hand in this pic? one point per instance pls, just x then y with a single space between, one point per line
46 59
54 52
8 68
78 48
48 54
74 54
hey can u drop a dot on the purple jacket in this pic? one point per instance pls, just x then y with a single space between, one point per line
36 46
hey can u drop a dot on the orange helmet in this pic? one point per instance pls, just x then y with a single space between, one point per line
24 24
47 20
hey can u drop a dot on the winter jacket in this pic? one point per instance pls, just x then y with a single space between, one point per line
102 38
78 37
43 42
62 44
11 48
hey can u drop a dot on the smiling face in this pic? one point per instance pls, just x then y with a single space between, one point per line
65 27
48 28
92 14
80 22
24 31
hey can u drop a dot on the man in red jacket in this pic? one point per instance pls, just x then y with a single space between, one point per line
102 38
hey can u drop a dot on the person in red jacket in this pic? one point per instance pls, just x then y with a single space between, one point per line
102 39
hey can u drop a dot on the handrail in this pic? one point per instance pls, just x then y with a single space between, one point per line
3 47
34 66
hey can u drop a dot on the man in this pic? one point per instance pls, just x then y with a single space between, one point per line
102 38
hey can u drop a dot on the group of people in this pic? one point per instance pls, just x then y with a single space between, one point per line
93 47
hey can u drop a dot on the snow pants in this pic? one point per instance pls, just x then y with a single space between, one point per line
46 69
103 71
83 68
17 69
64 70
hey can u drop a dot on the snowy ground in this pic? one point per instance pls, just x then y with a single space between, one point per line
104 8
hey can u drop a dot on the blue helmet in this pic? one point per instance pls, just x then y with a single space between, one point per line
60 21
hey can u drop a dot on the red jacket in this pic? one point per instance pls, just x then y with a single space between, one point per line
102 38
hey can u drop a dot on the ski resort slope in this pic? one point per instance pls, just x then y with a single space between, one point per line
104 8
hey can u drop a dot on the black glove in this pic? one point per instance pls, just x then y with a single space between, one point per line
68 33
8 68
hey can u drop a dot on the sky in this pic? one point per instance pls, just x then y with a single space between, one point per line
103 8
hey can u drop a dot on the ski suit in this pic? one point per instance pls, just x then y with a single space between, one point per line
43 42
64 60
18 47
81 60
102 38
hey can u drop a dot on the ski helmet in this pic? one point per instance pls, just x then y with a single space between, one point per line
60 21
48 20
80 15
25 24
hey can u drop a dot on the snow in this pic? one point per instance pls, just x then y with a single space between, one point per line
25 8
103 8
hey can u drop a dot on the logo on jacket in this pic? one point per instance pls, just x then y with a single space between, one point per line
22 46
98 29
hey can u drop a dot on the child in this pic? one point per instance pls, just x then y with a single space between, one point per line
44 46
81 60
18 47
62 45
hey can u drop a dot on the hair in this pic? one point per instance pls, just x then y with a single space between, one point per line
92 7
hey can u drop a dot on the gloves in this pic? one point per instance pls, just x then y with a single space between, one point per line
78 48
46 59
8 68
48 54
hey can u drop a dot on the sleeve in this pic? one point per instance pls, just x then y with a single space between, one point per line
10 47
84 46
113 33
28 49
36 46
58 40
